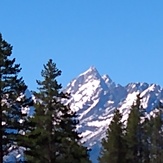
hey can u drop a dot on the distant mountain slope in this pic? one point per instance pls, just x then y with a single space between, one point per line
95 97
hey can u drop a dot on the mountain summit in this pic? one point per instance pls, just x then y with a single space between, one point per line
95 98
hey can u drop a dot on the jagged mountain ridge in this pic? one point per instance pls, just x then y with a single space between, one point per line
95 97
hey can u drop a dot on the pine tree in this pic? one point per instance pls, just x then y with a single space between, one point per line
12 100
53 137
134 134
113 147
145 137
156 137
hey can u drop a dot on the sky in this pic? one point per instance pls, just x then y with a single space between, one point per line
121 38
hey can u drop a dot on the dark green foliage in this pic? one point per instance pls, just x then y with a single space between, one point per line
53 137
145 134
133 135
113 149
156 138
11 87
141 140
137 134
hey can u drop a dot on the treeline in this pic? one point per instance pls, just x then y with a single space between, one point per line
139 141
48 135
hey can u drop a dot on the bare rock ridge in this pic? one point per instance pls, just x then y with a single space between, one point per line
95 98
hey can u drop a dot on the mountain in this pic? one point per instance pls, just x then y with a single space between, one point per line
95 97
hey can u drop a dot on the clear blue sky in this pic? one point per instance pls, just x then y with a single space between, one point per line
121 38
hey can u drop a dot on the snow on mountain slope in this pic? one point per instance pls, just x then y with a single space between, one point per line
95 98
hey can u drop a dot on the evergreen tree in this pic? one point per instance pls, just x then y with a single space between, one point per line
113 147
12 100
156 137
53 137
134 134
145 132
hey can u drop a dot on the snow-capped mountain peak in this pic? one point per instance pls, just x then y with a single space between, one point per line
90 78
95 98
91 71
